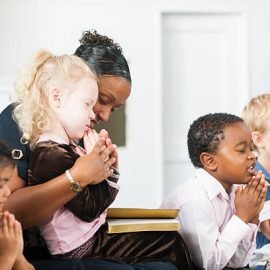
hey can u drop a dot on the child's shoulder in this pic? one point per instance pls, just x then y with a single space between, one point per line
52 150
50 145
188 191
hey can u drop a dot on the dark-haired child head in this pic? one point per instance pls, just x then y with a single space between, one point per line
105 57
7 166
221 144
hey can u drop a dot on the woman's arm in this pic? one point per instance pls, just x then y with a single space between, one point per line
94 199
52 194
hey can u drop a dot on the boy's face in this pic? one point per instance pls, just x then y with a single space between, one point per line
234 156
5 174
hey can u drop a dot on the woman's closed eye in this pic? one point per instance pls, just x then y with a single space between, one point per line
102 101
106 99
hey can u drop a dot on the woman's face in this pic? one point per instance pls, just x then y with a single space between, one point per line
113 92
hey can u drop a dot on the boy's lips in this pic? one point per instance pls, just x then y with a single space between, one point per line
251 169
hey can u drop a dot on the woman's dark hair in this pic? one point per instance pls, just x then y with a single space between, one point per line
206 132
103 55
6 156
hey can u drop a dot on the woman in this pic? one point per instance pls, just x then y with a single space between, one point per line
114 83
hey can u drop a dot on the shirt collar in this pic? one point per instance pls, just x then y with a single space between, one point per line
211 185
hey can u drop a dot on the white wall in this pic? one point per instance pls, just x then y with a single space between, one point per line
56 25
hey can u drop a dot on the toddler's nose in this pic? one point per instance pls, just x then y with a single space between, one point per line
92 115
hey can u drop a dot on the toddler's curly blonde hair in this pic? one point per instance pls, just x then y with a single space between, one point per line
32 111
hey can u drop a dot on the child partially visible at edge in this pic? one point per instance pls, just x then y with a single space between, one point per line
256 115
11 240
219 219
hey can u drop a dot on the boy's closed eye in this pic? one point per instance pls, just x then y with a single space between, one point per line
3 181
243 147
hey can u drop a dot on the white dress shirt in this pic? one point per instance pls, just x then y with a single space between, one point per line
215 236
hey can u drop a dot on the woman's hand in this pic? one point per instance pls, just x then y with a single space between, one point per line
104 134
100 163
114 154
90 139
94 167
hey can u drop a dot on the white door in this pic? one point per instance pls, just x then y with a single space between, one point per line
204 71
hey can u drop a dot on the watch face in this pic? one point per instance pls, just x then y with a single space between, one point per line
76 187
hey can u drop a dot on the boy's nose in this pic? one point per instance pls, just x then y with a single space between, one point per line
7 191
252 155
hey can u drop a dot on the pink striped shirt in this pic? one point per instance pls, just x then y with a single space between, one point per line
65 232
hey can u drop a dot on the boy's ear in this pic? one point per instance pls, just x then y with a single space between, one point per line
208 161
257 139
55 96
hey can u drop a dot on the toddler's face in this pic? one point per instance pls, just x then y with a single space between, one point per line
76 111
5 174
234 155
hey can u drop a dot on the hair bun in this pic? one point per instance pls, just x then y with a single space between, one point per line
94 39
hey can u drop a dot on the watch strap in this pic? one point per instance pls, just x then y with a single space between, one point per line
73 182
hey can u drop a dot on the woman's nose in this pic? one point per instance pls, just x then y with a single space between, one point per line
104 115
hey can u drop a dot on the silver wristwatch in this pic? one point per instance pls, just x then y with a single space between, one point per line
75 186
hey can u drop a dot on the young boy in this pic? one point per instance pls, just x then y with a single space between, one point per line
218 220
11 241
256 114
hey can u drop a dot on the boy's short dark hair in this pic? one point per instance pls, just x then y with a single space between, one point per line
205 134
6 156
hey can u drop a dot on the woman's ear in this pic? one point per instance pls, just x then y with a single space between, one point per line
55 96
208 161
258 139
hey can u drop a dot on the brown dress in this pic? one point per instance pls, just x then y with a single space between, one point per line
50 159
